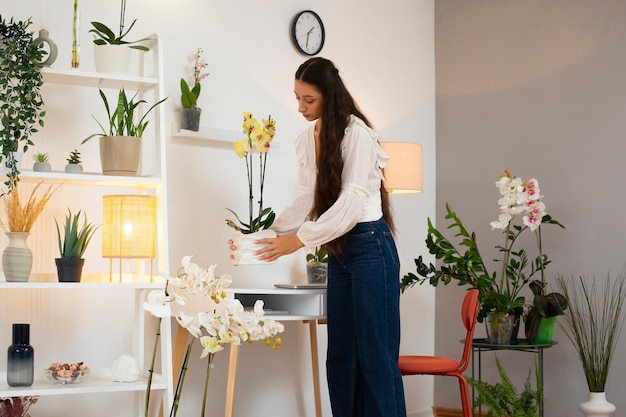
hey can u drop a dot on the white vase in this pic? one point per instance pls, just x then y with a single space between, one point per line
597 405
17 259
245 247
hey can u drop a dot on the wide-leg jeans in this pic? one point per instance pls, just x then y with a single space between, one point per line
364 325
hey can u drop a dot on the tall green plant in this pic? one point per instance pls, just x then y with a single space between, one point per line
75 238
20 98
593 322
121 119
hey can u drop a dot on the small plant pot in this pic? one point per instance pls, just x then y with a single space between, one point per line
69 269
42 167
190 119
74 168
317 273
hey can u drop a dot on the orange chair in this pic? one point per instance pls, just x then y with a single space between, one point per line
439 365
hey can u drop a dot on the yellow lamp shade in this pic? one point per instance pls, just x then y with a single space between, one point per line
129 223
403 173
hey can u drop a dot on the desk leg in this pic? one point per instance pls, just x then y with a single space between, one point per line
540 353
232 379
316 369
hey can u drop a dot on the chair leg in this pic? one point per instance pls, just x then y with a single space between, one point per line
466 402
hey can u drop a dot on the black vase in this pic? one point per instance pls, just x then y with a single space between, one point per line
20 358
69 269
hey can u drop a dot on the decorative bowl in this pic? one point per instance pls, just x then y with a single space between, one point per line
69 375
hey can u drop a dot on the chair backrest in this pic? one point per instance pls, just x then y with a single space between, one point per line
469 313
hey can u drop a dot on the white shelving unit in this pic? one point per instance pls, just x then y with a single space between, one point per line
104 313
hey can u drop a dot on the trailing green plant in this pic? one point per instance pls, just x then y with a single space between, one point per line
502 399
41 157
74 240
320 255
74 157
21 102
121 119
103 35
593 322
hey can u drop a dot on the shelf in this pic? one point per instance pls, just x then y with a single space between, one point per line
98 381
208 133
88 178
95 79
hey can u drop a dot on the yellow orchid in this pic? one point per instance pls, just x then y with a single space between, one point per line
261 135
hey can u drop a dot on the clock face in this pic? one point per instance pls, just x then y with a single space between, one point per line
307 32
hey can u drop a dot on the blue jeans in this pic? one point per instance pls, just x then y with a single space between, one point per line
364 325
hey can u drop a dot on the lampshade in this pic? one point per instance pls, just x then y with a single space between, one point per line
129 223
403 173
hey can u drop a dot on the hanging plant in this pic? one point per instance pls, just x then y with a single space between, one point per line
20 98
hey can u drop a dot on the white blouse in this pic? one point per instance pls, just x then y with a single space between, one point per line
359 198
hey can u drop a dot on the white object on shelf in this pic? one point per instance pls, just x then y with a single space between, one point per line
208 133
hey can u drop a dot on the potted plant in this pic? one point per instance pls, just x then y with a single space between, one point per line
500 295
317 265
120 143
503 400
72 245
190 115
41 162
20 83
17 258
73 163
111 50
593 323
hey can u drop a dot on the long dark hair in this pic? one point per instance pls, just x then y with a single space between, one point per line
337 107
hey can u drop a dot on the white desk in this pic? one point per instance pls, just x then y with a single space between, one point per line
305 305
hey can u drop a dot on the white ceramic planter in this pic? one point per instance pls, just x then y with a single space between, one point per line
112 59
245 247
597 405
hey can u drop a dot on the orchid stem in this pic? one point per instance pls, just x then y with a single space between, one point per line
151 370
206 381
181 380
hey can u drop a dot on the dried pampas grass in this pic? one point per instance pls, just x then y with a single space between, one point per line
20 218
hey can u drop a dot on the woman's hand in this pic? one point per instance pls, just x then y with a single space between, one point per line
276 247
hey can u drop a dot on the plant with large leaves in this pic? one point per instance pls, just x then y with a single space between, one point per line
21 104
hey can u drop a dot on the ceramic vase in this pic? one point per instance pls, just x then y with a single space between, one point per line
17 258
597 405
190 119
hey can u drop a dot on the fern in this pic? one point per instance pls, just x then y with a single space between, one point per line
502 399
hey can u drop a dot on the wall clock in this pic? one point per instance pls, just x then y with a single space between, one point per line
307 32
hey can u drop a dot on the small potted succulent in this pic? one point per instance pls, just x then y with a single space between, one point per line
111 50
72 245
317 265
73 163
41 162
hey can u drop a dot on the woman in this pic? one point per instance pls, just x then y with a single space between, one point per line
341 201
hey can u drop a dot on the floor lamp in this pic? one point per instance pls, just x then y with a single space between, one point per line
128 230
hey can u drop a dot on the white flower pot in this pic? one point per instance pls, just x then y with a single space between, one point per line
112 59
597 405
245 247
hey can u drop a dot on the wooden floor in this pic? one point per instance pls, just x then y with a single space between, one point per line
452 412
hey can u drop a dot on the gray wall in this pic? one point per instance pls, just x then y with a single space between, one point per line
538 88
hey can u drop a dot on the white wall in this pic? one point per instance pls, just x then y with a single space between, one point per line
388 64
537 88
